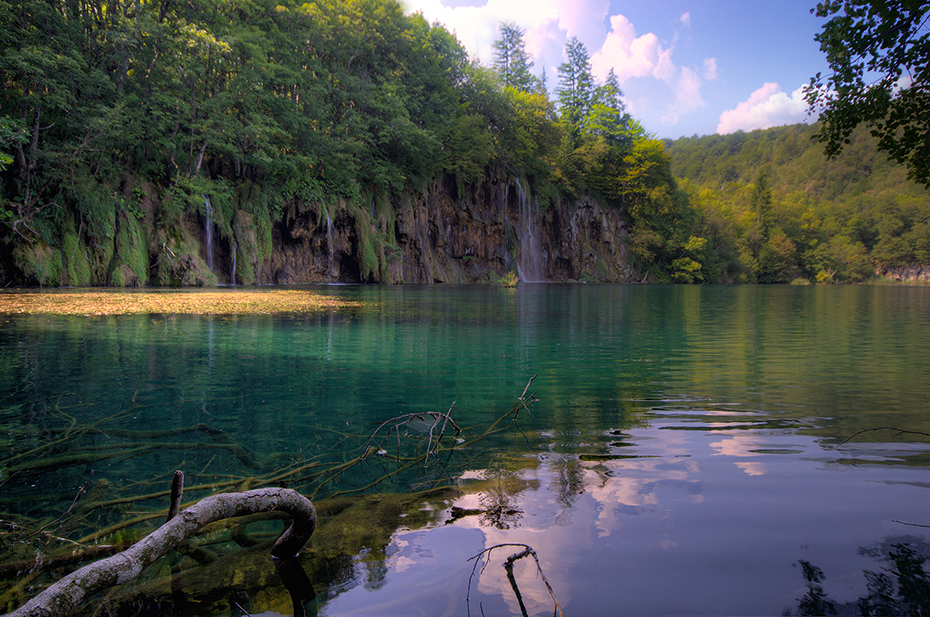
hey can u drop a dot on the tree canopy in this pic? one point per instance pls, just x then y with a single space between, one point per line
878 52
773 209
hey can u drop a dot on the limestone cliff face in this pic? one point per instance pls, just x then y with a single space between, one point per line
450 234
908 274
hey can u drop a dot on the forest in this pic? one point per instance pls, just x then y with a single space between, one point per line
133 132
769 207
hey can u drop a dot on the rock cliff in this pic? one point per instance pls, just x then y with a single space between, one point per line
905 274
449 234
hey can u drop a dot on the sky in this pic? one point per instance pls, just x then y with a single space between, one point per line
686 67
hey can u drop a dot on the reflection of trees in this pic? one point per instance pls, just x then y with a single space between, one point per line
902 587
497 509
568 483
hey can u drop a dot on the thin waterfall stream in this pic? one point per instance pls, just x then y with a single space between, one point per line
208 231
530 259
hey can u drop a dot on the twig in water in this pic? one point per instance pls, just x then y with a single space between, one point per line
899 431
508 565
245 612
400 425
910 524
65 513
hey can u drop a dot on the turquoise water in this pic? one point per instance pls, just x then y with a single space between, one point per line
685 456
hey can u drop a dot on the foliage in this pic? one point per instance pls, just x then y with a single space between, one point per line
509 279
878 52
773 209
576 87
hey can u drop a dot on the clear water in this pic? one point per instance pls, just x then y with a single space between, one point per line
685 457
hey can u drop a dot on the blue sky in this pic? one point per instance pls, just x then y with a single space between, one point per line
685 67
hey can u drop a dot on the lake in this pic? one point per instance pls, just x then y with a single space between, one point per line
687 454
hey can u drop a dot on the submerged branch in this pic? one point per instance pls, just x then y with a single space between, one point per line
62 597
420 437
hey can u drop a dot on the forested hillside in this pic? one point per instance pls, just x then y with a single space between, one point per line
772 208
171 143
252 141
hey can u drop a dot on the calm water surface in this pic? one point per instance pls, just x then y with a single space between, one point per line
686 455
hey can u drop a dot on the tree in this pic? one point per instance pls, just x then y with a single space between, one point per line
510 59
878 52
607 117
576 86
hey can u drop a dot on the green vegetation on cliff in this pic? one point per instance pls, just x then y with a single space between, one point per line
133 133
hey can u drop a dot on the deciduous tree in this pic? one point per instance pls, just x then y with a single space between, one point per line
878 52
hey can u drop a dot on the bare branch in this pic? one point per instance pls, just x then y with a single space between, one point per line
508 565
898 432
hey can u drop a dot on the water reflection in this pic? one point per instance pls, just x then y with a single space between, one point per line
901 587
676 523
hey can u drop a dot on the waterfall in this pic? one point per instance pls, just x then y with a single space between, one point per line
530 260
329 246
235 250
208 231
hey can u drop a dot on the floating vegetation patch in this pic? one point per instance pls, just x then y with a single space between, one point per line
122 302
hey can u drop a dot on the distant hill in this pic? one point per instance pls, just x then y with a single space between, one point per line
774 209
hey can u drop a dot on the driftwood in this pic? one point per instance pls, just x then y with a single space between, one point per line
62 597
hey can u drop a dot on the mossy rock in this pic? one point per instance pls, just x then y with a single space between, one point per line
41 264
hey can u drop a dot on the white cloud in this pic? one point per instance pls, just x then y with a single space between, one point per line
766 107
710 69
548 24
633 56
685 19
629 55
687 96
582 19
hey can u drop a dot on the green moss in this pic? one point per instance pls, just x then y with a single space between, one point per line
180 265
369 264
39 262
117 277
131 251
77 266
247 258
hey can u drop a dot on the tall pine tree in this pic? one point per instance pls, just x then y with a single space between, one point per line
576 86
511 60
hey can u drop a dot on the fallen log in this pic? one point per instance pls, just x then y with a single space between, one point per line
63 596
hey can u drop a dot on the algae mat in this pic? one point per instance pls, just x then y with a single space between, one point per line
186 302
